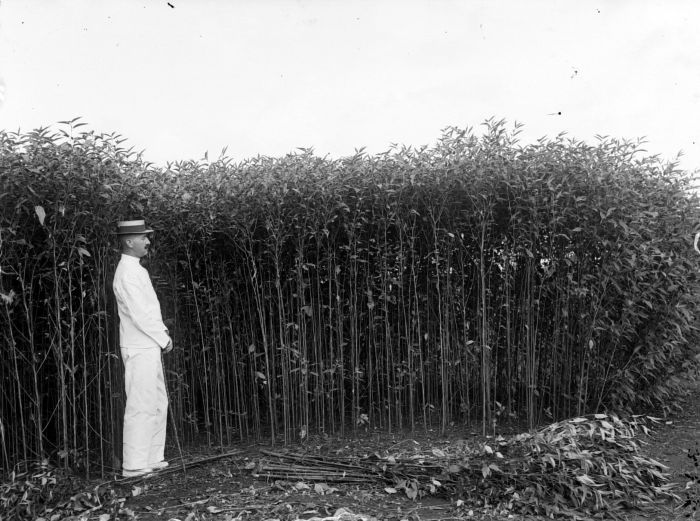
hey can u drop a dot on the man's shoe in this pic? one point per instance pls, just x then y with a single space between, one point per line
135 472
160 465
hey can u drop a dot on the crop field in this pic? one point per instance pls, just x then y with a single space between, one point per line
475 284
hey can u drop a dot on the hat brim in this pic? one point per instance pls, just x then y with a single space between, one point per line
141 232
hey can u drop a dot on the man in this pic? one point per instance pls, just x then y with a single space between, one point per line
142 337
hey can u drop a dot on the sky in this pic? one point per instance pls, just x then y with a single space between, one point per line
185 77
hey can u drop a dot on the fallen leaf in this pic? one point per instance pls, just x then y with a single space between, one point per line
40 213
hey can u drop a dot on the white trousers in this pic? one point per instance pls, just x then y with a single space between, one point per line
146 412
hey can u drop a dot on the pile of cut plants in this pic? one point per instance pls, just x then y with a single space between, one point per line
582 467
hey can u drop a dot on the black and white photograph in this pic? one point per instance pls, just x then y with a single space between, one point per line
323 260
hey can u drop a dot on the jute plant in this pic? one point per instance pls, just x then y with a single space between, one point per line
464 283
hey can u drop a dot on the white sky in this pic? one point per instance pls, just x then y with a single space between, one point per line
266 77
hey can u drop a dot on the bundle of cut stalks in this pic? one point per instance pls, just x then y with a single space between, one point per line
585 465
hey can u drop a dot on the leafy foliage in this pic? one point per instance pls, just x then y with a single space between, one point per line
580 467
476 280
43 491
591 464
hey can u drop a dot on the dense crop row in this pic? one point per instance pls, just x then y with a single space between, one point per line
469 282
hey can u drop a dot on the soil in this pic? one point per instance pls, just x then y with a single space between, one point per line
224 487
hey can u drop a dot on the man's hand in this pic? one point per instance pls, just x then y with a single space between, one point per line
169 347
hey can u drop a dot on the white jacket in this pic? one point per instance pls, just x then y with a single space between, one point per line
140 321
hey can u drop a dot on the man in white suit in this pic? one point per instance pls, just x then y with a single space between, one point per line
142 337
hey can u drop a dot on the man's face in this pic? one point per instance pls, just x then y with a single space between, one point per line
138 245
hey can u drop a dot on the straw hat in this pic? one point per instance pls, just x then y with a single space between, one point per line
132 227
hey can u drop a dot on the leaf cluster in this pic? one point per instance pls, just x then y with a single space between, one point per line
582 467
42 491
